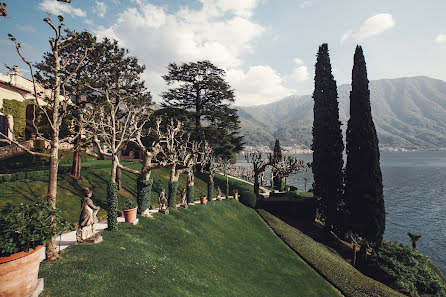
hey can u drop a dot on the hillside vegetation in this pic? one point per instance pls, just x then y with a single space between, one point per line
408 112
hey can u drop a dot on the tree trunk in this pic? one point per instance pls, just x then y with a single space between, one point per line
144 189
76 165
51 246
190 186
256 184
172 189
118 173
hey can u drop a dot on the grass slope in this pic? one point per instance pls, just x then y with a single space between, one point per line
221 249
328 263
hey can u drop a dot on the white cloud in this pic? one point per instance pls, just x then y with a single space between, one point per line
299 74
100 9
298 61
374 25
60 8
441 38
259 85
220 30
305 4
346 35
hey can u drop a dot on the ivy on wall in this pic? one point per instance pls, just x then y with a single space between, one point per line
18 110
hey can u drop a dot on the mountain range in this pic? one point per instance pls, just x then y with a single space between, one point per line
409 113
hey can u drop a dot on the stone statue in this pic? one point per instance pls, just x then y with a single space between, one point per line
162 200
88 217
219 198
183 198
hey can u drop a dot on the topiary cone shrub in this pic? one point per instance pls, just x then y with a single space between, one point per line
210 190
172 194
248 198
190 194
112 206
144 190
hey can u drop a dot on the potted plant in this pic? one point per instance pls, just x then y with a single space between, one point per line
129 210
203 199
235 194
24 229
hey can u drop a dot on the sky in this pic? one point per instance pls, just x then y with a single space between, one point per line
267 47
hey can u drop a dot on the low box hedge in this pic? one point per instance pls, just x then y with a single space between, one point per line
329 264
248 198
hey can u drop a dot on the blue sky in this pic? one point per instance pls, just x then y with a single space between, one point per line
267 47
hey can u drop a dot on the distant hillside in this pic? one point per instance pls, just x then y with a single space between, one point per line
408 113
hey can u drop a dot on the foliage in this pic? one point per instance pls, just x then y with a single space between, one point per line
202 90
224 241
18 111
26 226
327 263
190 194
130 204
276 157
210 192
327 141
248 198
112 206
405 269
172 194
144 190
363 179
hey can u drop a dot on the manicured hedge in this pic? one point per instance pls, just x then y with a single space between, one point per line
327 263
172 194
112 205
248 198
30 175
144 190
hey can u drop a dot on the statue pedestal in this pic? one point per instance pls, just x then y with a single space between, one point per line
146 213
85 232
96 238
164 211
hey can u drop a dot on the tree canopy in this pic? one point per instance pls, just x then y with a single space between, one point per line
201 90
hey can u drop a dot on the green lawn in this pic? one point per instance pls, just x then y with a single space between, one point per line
96 175
221 249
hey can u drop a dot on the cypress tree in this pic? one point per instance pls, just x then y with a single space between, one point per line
364 188
277 156
327 141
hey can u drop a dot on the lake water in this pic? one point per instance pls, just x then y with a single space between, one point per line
415 198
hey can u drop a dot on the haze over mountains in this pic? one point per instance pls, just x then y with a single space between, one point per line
409 113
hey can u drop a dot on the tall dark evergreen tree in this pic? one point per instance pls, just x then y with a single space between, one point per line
277 157
327 141
364 188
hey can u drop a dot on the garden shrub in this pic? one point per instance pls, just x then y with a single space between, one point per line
112 205
25 226
144 190
327 262
210 191
172 194
405 269
248 198
18 111
190 194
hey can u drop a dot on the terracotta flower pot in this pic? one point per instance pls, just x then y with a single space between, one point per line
130 215
18 272
236 196
203 200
